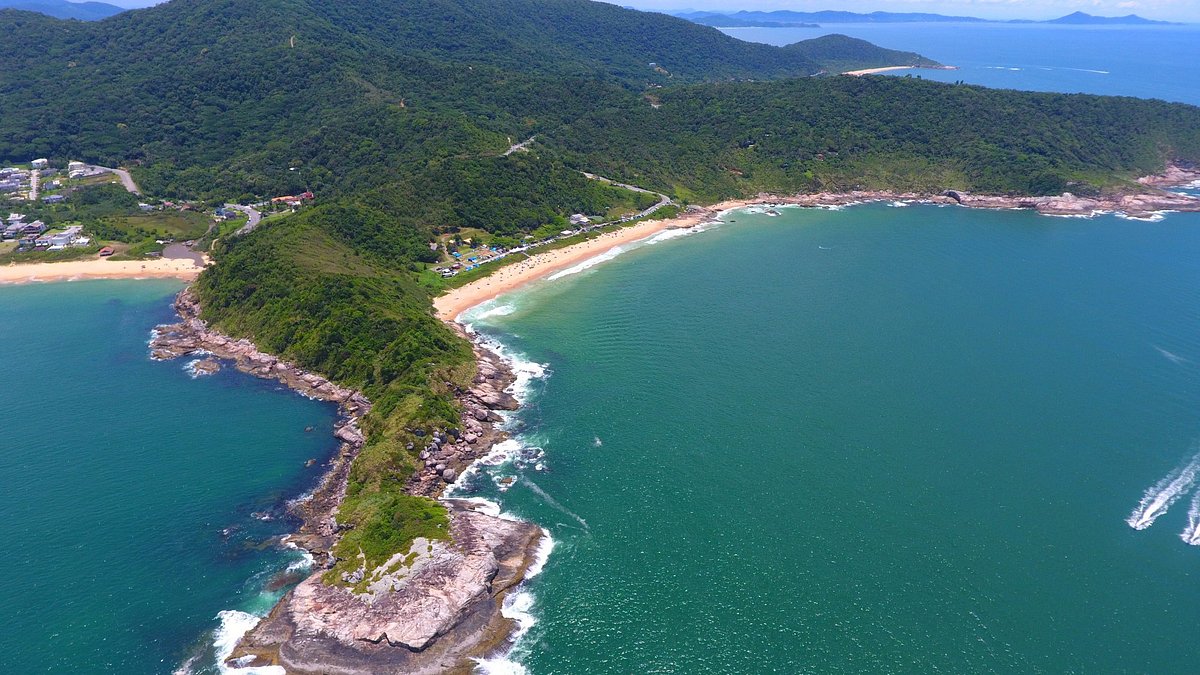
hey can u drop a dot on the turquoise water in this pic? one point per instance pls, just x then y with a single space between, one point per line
1143 61
871 440
128 486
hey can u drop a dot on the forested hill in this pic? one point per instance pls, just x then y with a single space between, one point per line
226 95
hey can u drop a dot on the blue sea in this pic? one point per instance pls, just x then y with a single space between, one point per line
1143 61
143 507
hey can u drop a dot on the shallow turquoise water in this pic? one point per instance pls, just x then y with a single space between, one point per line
128 487
875 440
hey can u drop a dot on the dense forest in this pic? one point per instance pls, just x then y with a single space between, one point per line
398 113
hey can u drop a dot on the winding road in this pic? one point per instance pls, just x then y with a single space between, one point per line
252 218
663 200
126 179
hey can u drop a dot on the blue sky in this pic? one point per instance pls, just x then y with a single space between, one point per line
1169 10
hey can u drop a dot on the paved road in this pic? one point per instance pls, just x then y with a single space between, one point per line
252 218
519 146
126 179
35 180
663 200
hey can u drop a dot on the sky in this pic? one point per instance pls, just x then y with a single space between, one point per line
1166 10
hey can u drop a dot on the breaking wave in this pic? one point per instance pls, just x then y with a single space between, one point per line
235 624
1159 497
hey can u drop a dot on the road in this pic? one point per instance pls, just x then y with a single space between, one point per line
35 180
523 145
126 179
252 218
663 200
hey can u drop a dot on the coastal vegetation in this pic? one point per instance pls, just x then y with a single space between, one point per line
400 115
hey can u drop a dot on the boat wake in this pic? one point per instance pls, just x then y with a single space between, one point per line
1171 356
1191 534
1164 493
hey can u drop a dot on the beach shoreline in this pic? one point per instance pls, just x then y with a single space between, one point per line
100 268
453 303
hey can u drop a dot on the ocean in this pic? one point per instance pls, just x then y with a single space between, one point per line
1143 61
873 439
142 507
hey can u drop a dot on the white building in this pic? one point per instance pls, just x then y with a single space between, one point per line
40 163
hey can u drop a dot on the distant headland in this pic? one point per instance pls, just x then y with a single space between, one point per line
789 19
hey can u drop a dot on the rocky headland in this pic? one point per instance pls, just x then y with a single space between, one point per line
434 607
1144 204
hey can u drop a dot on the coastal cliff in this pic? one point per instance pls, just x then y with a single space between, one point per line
429 609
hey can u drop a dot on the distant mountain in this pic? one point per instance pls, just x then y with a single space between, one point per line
1081 18
61 9
726 21
785 18
828 16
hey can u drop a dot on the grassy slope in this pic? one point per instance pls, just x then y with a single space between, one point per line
309 297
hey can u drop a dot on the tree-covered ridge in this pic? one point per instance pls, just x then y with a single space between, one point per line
733 139
248 89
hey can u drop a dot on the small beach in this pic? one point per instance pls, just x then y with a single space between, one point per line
177 268
456 301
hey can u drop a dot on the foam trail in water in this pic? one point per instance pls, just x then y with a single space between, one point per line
1164 493
554 502
1191 534
1173 358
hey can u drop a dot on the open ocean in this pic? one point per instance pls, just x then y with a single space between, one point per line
868 440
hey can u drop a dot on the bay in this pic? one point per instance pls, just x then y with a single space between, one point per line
139 503
876 439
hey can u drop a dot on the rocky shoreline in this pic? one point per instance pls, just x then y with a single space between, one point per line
1142 205
438 610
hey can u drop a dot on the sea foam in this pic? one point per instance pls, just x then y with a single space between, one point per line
235 624
1160 496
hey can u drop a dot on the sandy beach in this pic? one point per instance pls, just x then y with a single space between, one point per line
874 71
100 268
456 301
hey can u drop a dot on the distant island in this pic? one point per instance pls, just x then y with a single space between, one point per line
790 19
62 9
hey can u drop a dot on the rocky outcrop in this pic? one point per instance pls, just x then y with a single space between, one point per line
446 453
1173 176
445 610
1140 205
